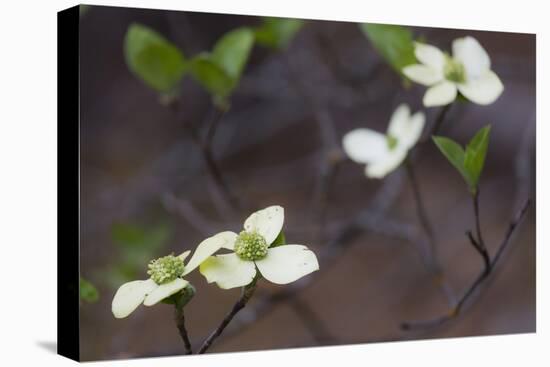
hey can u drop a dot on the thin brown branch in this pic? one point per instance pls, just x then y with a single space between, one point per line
480 243
480 280
247 293
320 333
332 155
212 126
438 122
432 262
186 210
180 323
421 210
371 219
206 152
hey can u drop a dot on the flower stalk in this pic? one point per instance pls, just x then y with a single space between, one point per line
247 292
438 123
180 324
478 243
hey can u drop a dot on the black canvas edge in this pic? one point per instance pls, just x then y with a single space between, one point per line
68 183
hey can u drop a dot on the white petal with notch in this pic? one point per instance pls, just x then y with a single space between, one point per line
413 130
228 238
267 222
364 145
423 74
389 163
228 271
399 121
484 90
204 250
440 94
130 295
184 255
472 55
285 264
165 290
429 55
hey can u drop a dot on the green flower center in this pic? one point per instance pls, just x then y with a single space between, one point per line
391 141
165 269
454 70
250 246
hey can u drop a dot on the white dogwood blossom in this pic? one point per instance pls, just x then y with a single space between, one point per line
166 278
254 249
468 71
383 153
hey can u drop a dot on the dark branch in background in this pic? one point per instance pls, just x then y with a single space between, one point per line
369 219
180 323
221 189
479 243
436 126
470 292
309 317
432 261
332 155
523 164
192 216
247 293
212 125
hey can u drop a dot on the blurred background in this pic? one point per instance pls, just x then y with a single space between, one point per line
147 191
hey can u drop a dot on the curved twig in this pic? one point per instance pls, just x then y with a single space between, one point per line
247 293
480 280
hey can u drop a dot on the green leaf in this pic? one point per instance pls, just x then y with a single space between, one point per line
468 162
156 61
231 51
476 151
88 292
277 32
219 71
395 43
454 154
213 78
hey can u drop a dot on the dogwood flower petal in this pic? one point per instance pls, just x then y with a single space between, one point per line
364 145
228 271
429 55
413 130
483 90
165 290
184 255
390 162
267 222
204 250
228 238
399 121
285 264
472 55
404 127
440 94
130 295
422 74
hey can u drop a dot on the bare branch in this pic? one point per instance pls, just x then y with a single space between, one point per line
439 120
480 280
247 293
432 262
180 323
